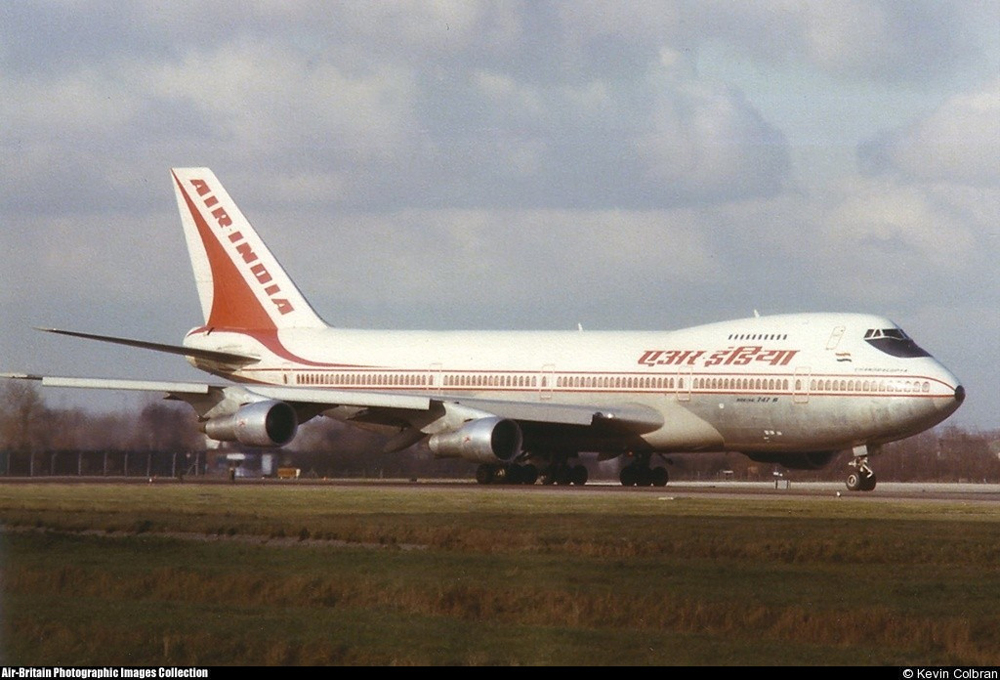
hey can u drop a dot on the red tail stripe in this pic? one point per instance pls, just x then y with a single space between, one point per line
234 304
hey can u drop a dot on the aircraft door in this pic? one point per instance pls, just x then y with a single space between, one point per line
835 336
545 382
684 380
434 378
800 385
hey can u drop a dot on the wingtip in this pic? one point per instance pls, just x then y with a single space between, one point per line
20 376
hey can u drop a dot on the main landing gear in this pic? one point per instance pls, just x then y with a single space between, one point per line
639 473
514 473
565 474
862 477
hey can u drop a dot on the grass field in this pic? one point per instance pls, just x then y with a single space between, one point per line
294 574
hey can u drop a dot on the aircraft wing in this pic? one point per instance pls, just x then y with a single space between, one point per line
295 396
113 384
417 413
644 419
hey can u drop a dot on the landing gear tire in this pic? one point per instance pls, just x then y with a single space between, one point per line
629 476
854 481
513 476
485 473
506 474
529 474
640 474
658 476
563 474
636 475
868 483
861 480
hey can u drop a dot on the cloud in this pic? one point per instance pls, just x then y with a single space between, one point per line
853 40
958 143
710 145
654 142
503 258
459 104
895 221
885 244
272 101
883 40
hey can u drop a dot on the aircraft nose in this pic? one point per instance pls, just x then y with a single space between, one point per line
949 393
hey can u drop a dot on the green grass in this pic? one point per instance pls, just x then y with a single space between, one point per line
260 574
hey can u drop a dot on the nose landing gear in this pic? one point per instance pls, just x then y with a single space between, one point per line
862 478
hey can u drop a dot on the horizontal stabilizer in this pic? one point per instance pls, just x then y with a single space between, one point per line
208 354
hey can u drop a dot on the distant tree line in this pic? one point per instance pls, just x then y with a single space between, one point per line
162 438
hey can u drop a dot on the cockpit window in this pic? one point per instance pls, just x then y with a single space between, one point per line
893 341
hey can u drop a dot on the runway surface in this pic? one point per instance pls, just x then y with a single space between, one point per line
919 491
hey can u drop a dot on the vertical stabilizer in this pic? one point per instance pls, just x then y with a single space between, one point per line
241 285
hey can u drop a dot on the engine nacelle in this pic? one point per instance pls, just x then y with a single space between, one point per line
485 440
807 460
264 423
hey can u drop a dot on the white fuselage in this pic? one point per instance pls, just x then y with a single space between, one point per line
796 382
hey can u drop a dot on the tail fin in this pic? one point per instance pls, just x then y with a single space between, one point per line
240 283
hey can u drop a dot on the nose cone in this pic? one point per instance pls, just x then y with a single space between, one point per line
955 390
942 394
950 397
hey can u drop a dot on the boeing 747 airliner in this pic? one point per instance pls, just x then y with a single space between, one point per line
790 389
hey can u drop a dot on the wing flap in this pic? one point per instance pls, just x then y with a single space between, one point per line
386 400
636 418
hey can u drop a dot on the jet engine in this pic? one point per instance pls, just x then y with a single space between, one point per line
806 460
263 423
484 440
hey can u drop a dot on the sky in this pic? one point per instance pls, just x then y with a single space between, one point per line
506 165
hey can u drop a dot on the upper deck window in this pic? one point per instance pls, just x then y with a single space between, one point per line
893 341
